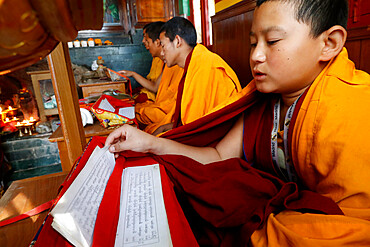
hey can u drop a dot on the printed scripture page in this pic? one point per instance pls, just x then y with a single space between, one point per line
75 213
143 219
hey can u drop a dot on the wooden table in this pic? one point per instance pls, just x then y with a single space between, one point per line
97 87
22 196
90 130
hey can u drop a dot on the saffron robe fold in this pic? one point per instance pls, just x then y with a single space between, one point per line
209 81
152 113
155 71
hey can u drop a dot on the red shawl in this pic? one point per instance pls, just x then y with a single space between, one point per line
225 201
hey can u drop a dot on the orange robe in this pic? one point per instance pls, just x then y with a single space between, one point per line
209 81
154 73
151 113
331 156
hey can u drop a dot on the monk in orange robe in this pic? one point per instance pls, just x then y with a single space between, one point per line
163 90
306 123
207 80
148 41
152 43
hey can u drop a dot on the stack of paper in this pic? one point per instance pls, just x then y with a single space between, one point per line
76 211
142 219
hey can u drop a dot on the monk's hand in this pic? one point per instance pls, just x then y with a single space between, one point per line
127 73
129 138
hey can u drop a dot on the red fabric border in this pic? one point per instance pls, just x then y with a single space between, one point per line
107 219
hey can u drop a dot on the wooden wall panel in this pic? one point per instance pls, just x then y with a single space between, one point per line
231 38
365 58
151 10
354 51
358 46
146 11
359 13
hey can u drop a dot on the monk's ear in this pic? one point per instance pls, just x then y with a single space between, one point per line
178 41
157 42
333 42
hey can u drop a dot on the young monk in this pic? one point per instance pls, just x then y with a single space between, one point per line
164 89
157 62
207 81
307 123
152 44
150 113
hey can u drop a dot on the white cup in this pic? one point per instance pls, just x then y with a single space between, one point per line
84 43
76 43
91 43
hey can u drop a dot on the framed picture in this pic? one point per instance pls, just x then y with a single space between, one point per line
44 93
111 12
115 16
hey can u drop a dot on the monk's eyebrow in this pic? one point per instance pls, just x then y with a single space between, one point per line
269 29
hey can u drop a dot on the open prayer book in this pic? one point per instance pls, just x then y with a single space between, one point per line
142 219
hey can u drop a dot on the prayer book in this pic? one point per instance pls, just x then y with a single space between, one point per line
142 218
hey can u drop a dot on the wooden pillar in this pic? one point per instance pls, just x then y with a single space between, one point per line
67 100
204 14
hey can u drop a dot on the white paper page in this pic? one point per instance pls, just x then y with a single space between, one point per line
105 105
75 213
128 112
143 218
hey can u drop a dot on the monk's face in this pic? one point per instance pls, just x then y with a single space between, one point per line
284 56
145 40
169 52
155 47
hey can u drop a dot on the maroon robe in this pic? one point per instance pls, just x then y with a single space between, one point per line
225 201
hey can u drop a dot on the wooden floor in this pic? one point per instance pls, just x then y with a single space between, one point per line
22 196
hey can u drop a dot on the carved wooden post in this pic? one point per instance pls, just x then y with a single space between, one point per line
67 99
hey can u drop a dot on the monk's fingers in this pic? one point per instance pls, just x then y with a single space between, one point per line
128 137
115 148
116 136
120 146
126 72
122 139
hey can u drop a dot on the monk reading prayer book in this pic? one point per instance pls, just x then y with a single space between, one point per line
142 217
